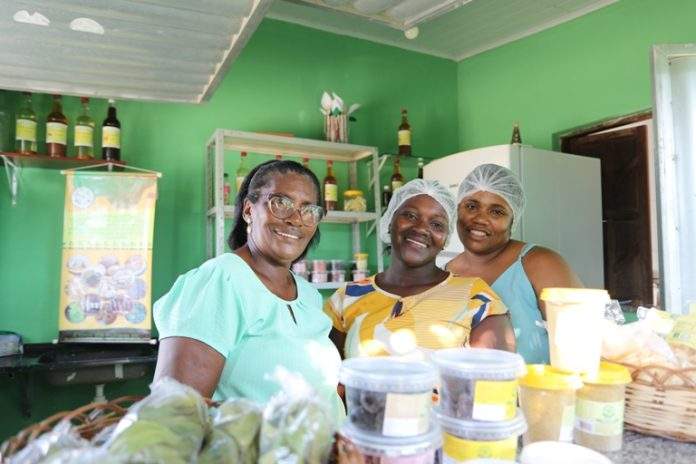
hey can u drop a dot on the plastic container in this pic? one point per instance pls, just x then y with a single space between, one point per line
361 261
299 266
478 384
337 276
389 396
466 441
337 265
547 398
422 449
574 317
319 265
359 275
320 277
599 408
353 200
548 452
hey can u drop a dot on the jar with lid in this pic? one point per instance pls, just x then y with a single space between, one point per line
353 200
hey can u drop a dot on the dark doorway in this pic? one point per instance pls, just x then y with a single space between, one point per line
625 209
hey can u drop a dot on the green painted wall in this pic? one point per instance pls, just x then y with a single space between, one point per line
589 69
275 85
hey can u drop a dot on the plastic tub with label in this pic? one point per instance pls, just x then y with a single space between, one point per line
466 441
547 398
478 384
599 408
421 449
389 396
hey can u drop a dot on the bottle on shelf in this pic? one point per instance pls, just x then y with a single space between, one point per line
386 195
397 180
305 163
516 136
226 190
242 170
56 130
420 168
278 157
84 132
25 127
111 135
404 134
330 188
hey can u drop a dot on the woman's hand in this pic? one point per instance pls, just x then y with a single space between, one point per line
347 452
190 362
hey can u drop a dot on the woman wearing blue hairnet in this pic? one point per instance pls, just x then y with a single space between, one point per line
414 306
490 205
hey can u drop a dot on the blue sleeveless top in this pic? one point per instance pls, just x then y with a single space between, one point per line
516 291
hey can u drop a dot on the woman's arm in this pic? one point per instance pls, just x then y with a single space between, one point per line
494 332
546 268
191 362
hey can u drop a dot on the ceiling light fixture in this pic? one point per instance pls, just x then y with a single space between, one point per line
412 33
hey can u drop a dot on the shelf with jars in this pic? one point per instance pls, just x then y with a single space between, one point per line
219 195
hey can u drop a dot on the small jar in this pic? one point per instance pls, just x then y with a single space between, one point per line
353 200
337 265
299 266
361 261
338 276
319 265
320 277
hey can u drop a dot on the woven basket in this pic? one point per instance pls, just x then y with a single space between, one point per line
88 421
662 402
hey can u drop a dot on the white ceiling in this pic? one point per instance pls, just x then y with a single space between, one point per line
473 27
165 50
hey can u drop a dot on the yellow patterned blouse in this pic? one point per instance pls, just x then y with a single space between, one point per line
379 323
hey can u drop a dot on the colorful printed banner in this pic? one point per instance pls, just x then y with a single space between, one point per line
106 270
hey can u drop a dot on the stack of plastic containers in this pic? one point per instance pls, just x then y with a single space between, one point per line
389 403
478 404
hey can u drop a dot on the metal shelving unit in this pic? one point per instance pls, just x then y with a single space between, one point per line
224 140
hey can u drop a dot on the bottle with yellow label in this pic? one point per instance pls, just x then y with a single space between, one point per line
84 132
56 130
330 188
25 128
397 180
111 135
404 134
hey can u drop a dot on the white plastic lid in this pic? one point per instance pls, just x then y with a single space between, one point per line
547 452
483 431
388 374
393 446
479 363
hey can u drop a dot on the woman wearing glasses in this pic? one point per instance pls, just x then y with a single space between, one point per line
226 326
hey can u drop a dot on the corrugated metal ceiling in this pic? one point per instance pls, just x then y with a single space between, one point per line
165 50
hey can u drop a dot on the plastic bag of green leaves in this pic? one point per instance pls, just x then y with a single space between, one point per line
235 434
297 427
168 426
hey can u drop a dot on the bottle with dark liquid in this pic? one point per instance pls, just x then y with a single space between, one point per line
56 130
330 188
305 163
242 171
516 136
420 168
84 132
111 135
397 180
386 195
25 128
404 134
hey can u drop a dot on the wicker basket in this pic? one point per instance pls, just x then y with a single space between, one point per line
88 420
662 402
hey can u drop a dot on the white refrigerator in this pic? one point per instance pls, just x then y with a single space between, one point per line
564 201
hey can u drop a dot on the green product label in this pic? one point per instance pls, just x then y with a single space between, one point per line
599 418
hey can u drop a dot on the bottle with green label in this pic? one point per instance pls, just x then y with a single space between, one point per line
56 130
242 171
111 135
84 132
25 128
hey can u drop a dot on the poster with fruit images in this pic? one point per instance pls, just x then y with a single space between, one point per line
107 256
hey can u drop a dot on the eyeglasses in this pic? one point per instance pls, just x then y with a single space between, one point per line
283 207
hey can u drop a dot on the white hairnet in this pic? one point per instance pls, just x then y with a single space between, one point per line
432 188
496 179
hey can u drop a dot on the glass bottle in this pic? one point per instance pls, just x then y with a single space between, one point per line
516 136
84 132
4 122
111 135
330 188
56 130
226 190
397 180
242 170
404 134
305 163
420 168
386 195
25 127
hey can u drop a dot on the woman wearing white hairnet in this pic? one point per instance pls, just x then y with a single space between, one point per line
490 205
413 306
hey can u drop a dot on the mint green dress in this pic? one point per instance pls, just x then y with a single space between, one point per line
223 304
